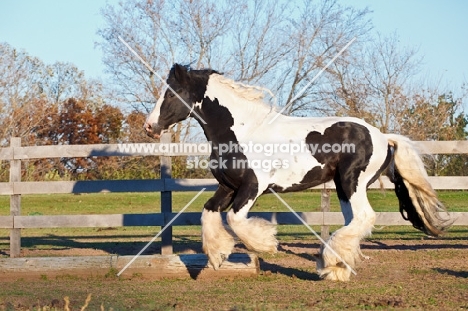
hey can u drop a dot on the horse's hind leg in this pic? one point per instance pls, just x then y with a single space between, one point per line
342 251
257 234
217 241
346 210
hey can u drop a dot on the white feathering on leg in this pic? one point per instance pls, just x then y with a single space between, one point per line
217 241
257 234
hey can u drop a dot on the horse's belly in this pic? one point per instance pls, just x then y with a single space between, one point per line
293 173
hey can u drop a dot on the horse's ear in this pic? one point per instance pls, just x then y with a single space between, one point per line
180 73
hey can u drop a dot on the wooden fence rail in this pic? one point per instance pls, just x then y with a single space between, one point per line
166 185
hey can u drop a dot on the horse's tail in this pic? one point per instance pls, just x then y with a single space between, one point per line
418 200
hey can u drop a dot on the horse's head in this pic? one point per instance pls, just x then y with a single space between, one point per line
185 88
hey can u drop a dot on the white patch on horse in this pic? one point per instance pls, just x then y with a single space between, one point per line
217 240
153 117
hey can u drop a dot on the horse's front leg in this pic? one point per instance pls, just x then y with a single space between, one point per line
217 241
257 234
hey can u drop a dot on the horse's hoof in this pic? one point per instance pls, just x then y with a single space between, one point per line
216 260
336 273
362 256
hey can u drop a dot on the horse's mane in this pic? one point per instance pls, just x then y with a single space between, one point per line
249 92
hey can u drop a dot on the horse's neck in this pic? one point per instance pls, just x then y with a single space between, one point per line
229 115
244 109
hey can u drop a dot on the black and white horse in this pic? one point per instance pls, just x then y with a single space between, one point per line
253 155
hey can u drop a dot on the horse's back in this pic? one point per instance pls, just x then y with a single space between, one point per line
323 144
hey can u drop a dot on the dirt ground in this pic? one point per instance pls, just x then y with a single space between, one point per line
425 274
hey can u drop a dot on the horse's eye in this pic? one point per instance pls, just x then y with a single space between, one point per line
170 94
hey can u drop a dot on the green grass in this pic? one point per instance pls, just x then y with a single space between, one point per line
133 237
119 203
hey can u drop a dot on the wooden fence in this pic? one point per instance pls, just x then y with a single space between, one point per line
166 185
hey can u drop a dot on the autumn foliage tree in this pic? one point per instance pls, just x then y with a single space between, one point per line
54 105
78 123
438 118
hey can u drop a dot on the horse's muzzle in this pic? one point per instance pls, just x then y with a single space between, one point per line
153 130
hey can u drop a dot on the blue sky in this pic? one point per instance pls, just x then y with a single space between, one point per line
65 30
436 27
55 30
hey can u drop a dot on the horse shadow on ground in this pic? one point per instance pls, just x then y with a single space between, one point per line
309 247
458 274
196 263
194 269
92 243
270 267
371 244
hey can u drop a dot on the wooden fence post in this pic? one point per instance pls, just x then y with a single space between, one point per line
325 205
15 199
166 197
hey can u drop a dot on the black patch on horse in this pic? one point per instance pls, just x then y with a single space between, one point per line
195 81
219 131
344 166
190 86
242 181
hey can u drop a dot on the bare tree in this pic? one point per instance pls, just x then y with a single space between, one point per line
140 24
373 84
276 44
391 68
258 40
162 33
318 32
21 101
202 25
65 80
